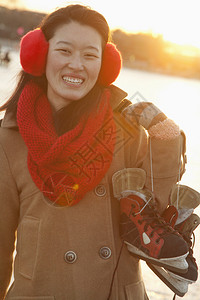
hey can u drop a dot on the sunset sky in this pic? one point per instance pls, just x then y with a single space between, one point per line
177 20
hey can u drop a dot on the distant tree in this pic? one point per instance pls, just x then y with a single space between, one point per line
12 19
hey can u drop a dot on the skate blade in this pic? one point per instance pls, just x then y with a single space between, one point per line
177 264
179 287
179 277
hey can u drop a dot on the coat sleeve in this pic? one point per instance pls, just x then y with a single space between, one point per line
164 166
9 211
160 152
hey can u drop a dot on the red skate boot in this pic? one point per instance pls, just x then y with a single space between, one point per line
145 232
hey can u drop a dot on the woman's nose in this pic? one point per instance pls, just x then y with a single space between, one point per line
76 62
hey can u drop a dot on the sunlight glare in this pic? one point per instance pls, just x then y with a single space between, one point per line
43 6
177 21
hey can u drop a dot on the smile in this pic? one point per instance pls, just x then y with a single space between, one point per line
73 80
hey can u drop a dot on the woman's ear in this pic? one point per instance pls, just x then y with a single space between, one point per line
33 52
111 65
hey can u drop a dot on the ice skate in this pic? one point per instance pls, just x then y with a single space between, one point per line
177 281
185 223
145 232
186 229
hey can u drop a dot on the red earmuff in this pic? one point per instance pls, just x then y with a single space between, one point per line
111 65
33 52
33 55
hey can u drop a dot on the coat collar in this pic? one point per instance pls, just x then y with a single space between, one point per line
117 95
9 120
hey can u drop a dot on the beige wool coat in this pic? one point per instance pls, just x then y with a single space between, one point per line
70 253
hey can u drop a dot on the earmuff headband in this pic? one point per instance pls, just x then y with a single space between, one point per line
33 56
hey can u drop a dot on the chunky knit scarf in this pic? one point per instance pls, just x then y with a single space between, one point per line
65 167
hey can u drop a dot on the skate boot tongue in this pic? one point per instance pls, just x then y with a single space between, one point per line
129 179
183 196
183 214
170 215
185 199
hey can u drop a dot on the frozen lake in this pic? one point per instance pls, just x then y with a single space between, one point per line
179 98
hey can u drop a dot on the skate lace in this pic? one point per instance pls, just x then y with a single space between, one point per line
152 218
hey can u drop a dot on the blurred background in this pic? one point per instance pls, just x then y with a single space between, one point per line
160 45
162 36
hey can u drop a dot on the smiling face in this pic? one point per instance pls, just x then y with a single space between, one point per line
73 63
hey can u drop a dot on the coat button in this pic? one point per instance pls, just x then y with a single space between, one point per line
105 252
100 190
70 257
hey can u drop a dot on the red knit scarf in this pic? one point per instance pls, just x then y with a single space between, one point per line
65 168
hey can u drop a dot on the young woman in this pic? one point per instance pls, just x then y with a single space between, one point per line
71 145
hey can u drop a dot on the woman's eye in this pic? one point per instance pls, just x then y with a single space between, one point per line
91 55
64 51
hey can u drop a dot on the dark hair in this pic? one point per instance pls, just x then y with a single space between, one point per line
75 12
81 14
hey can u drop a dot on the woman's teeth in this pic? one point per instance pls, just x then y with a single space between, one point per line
73 80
